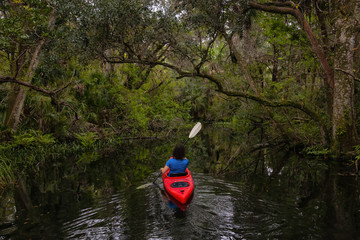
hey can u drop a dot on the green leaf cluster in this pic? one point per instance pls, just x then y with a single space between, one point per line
86 139
22 22
29 139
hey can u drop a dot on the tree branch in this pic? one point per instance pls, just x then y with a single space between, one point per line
155 87
261 100
221 89
49 93
26 84
348 73
147 62
206 53
35 88
292 9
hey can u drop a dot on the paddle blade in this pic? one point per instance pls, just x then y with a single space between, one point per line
195 130
144 186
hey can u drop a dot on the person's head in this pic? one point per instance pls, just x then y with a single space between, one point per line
179 151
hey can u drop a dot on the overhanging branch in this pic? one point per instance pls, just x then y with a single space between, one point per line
26 84
290 8
265 102
220 88
147 62
49 93
261 100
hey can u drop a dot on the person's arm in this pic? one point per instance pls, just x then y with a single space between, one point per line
164 169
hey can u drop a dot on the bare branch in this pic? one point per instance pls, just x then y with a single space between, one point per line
348 73
26 84
147 62
71 108
66 85
204 57
33 87
51 94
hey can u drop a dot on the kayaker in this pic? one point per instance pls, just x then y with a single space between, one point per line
178 162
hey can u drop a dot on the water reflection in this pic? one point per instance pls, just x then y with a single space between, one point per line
176 206
212 214
7 214
98 222
220 209
297 199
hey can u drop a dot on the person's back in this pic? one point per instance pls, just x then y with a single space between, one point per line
177 165
178 162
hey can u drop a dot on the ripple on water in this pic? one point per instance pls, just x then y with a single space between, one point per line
220 209
99 222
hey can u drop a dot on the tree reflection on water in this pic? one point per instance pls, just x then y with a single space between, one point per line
268 194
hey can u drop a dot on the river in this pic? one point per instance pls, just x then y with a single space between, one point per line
288 205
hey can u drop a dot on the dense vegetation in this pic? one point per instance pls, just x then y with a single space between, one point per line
276 72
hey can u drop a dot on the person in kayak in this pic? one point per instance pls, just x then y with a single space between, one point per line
178 162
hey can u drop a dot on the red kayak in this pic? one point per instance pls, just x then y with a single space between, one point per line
179 187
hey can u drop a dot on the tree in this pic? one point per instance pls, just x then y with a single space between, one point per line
25 28
291 63
343 24
323 23
181 35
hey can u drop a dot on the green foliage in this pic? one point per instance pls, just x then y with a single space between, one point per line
88 157
29 139
22 21
23 24
87 139
317 150
6 172
33 138
21 151
357 152
134 97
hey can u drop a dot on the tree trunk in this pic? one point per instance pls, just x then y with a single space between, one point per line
15 106
344 132
18 94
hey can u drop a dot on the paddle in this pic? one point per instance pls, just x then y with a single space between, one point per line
192 134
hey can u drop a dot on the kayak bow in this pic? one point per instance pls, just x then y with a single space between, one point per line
179 188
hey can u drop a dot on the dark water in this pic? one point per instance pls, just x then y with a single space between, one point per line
220 209
303 200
